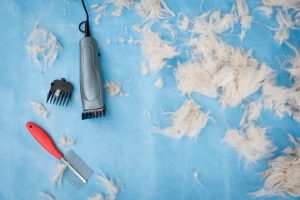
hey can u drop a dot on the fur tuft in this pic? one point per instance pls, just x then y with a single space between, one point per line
251 143
283 175
187 120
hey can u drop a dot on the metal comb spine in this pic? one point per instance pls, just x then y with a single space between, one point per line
78 172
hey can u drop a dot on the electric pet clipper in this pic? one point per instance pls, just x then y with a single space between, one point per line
91 88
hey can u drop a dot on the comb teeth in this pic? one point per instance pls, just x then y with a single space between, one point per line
83 169
94 113
60 92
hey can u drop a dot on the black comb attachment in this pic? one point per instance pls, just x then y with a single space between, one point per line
80 166
60 92
93 113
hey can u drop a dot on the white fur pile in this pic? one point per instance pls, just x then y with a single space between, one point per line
284 10
251 113
285 4
245 18
285 23
114 88
192 77
156 50
66 141
131 40
39 109
188 120
283 175
251 143
282 100
153 10
218 69
170 28
99 11
183 22
120 5
97 196
42 46
267 11
59 172
213 22
137 28
110 187
159 83
294 70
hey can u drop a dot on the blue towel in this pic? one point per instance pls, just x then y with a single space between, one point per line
124 145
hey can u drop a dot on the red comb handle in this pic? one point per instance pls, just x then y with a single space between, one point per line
44 139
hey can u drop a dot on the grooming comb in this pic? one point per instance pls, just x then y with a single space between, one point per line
60 92
76 172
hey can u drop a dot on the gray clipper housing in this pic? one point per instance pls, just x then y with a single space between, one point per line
91 88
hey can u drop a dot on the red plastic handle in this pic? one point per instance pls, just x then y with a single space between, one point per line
44 139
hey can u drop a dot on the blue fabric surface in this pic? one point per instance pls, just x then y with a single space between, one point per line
145 164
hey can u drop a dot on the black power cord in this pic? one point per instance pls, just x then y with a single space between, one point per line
86 30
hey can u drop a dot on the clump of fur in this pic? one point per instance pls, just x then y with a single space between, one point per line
97 196
183 22
42 46
213 22
159 83
39 109
137 28
285 4
120 5
188 120
251 143
245 18
285 23
156 50
153 10
192 77
99 11
294 70
114 88
283 175
282 100
267 11
66 141
131 40
59 172
170 28
251 113
217 69
284 10
110 187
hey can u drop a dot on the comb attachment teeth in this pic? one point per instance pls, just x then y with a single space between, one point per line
60 92
82 171
93 113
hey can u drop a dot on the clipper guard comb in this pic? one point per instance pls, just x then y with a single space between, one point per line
60 92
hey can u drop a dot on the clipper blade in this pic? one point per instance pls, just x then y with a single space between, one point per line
77 171
93 113
60 92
